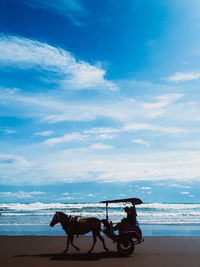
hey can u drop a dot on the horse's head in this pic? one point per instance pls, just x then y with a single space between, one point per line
55 219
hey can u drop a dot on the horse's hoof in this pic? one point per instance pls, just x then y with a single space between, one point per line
64 251
89 252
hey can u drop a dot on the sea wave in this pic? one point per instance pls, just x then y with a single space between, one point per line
82 206
166 206
148 213
52 206
111 213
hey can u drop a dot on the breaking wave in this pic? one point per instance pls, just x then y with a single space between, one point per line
150 213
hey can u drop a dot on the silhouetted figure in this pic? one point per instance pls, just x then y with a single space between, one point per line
78 226
131 215
130 220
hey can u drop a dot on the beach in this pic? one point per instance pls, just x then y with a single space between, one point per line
44 251
171 233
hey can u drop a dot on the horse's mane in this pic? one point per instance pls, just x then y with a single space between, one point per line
62 214
70 218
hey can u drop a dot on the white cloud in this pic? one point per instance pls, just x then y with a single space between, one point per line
149 192
84 150
91 195
180 186
102 130
16 168
149 127
168 98
21 194
45 133
104 167
86 76
185 193
134 127
12 91
26 53
51 109
75 150
66 138
8 131
73 9
105 136
140 141
182 77
63 6
15 161
80 114
67 198
145 188
157 108
101 146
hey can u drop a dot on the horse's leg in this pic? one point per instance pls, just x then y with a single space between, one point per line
116 227
72 238
67 247
94 241
102 240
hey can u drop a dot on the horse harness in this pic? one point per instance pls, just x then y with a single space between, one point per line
69 223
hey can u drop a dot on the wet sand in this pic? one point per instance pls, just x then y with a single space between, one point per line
46 251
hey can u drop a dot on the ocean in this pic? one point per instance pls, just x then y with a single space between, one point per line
156 219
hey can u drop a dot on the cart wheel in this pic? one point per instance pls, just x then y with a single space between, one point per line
125 246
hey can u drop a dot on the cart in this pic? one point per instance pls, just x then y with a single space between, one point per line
131 235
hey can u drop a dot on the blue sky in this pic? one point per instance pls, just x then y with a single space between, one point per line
99 99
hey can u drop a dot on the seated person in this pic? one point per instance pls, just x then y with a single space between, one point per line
131 215
130 220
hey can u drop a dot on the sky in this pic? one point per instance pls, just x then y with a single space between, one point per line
99 100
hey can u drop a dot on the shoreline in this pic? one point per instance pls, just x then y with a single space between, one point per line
147 229
46 251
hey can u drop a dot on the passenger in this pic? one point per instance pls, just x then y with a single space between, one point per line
131 216
130 220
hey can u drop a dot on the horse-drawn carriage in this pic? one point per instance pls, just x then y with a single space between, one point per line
130 235
126 239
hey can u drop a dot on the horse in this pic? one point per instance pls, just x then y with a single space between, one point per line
75 226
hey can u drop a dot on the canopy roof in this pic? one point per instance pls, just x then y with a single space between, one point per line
134 201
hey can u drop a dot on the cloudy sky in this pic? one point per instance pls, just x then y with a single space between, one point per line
99 99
